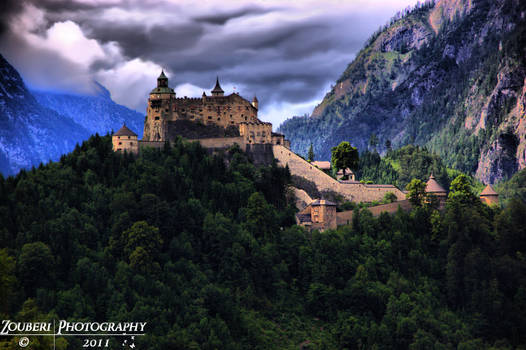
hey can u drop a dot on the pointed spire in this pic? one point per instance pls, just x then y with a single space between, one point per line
217 91
162 76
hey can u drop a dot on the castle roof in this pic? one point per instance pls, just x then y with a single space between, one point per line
255 99
124 131
162 90
162 75
217 88
318 202
347 171
433 186
322 164
489 191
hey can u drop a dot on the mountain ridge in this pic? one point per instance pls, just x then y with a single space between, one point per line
424 79
41 126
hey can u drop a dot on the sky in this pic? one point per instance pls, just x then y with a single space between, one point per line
287 53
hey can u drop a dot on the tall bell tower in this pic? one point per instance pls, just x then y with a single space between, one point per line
160 109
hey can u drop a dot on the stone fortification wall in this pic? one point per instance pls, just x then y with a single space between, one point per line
218 143
355 191
151 144
345 217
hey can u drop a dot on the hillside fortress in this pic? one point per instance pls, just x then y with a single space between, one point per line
208 116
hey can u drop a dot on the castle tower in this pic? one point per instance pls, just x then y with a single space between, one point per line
489 196
160 108
125 140
323 213
434 188
255 102
217 91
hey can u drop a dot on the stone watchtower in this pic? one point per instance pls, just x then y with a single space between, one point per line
161 105
433 188
125 140
489 196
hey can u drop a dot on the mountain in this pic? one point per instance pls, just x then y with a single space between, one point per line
97 113
38 126
29 132
450 75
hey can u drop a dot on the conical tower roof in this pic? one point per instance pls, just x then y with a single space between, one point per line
124 131
162 75
433 186
489 191
217 88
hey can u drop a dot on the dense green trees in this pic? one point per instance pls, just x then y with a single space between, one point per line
204 249
344 156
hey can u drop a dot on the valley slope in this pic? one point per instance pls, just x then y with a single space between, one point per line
449 75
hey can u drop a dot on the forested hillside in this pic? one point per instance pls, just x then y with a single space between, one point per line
448 74
206 253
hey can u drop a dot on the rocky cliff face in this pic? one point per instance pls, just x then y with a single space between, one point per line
450 76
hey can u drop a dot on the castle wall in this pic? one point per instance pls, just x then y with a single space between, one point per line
345 217
259 132
355 192
151 144
218 110
221 142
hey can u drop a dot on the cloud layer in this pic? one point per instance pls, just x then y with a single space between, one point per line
286 53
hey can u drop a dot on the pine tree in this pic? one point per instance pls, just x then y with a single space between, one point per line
310 156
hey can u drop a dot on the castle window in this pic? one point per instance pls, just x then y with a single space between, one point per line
218 118
230 115
129 137
232 122
166 110
246 107
209 117
245 118
156 118
183 110
120 143
200 109
131 143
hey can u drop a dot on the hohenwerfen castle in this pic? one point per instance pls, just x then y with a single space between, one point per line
215 120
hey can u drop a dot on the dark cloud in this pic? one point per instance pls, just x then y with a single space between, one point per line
282 59
222 18
8 8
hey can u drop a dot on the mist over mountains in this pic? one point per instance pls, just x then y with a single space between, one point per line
40 126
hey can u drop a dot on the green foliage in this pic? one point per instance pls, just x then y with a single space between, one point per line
344 156
513 188
206 252
417 192
310 156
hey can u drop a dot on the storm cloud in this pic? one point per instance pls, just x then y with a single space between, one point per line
286 53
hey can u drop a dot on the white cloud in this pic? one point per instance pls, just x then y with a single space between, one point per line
130 82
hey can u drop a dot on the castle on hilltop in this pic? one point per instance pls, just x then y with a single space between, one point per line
216 121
